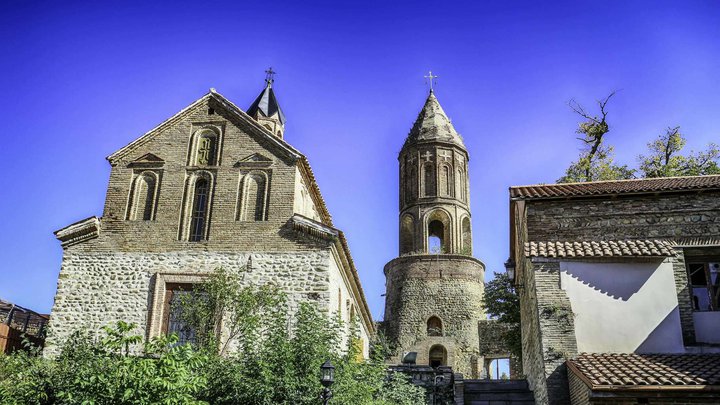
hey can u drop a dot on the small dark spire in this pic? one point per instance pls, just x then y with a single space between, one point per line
266 103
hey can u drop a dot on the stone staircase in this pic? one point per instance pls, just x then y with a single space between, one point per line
497 392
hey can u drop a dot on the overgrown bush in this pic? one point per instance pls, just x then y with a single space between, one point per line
275 359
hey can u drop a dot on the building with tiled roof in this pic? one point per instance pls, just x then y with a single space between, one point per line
644 378
212 186
628 271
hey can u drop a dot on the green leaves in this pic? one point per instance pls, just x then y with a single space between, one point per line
272 353
501 302
665 160
596 160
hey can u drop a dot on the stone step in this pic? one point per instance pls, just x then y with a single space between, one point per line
507 396
497 392
496 385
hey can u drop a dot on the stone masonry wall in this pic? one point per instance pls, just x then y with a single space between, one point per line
96 289
447 286
579 392
491 336
532 345
670 216
555 319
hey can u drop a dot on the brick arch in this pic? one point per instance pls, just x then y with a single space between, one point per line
438 223
252 205
143 196
407 234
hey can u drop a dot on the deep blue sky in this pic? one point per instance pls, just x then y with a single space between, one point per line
81 80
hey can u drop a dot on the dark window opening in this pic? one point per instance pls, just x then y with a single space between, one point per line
149 197
199 211
173 322
434 326
436 237
438 356
704 279
211 111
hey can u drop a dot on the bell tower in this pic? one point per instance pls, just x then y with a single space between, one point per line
435 286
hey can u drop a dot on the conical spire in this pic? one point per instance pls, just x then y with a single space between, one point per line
432 124
266 109
267 104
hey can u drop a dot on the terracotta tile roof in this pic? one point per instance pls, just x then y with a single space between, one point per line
678 371
602 248
599 188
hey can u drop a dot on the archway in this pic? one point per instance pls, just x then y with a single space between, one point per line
438 356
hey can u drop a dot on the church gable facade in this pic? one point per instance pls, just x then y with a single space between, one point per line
210 187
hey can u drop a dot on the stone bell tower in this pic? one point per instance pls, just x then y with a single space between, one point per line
435 287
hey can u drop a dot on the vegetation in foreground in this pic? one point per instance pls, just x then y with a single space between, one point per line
277 359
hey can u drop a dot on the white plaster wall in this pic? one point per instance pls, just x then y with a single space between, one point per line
623 307
707 326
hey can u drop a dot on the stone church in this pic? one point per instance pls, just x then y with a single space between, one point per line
212 186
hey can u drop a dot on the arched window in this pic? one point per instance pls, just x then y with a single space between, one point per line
434 326
461 185
206 149
446 181
438 233
411 182
429 180
253 197
438 356
466 237
198 216
406 234
142 201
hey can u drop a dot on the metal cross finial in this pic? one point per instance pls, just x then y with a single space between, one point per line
431 78
269 76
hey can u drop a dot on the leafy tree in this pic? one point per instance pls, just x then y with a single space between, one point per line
502 303
279 354
665 160
596 160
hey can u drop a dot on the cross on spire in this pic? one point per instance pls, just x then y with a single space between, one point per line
431 79
269 76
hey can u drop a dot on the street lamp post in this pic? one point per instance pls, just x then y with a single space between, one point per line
327 378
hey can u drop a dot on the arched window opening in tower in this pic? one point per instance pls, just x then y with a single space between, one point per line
438 356
434 326
429 180
406 234
466 237
436 237
446 181
198 219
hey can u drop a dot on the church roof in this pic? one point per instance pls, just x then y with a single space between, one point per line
267 104
433 124
614 187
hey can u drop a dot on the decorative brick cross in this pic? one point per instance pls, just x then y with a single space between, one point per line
445 155
411 159
427 155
